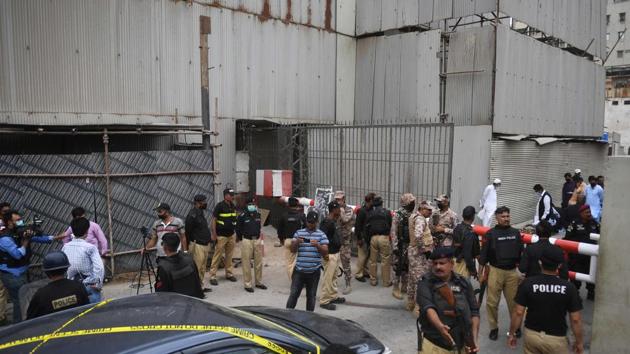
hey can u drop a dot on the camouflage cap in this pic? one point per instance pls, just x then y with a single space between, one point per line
407 199
441 198
340 194
424 205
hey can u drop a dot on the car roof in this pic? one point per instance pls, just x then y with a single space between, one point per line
133 322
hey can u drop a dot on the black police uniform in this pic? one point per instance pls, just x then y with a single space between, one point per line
225 216
197 229
331 229
178 274
579 231
547 299
248 225
529 261
466 246
428 297
502 248
57 296
378 221
360 224
290 222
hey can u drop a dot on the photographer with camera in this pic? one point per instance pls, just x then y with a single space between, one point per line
15 253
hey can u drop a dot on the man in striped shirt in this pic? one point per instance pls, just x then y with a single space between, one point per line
310 244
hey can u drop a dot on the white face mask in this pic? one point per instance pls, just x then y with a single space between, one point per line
251 208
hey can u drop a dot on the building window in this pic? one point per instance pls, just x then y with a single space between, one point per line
626 102
615 103
620 54
622 17
607 20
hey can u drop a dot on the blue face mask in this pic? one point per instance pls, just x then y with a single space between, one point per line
19 223
251 208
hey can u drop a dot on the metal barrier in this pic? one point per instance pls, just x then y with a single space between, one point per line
586 249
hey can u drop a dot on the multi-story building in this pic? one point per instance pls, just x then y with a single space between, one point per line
618 74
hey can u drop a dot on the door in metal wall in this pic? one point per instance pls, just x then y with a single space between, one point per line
520 165
388 160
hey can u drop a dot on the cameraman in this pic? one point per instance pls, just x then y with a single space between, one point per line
15 253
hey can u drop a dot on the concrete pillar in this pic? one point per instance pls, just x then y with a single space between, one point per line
610 320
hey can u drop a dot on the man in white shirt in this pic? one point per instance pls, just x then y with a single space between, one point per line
488 202
86 264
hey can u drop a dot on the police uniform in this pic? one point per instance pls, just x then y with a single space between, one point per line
420 245
580 231
290 223
529 261
363 250
225 217
548 299
178 273
458 318
466 250
329 290
57 296
248 230
378 224
502 250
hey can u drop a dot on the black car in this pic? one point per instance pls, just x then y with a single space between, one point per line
173 323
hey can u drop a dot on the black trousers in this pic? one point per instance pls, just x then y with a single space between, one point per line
581 264
300 280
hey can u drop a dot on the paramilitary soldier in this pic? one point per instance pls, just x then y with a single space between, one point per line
449 311
502 250
443 222
346 222
579 230
548 299
249 232
399 235
420 247
378 225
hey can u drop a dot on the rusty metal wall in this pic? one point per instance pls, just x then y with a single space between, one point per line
387 159
133 198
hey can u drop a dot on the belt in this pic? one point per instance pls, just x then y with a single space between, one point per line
200 243
251 237
544 333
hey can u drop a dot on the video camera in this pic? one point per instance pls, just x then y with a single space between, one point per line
35 226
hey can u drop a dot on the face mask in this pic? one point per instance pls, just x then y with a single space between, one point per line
163 217
19 223
251 208
204 207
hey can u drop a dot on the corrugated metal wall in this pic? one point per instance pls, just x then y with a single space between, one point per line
522 164
469 76
133 198
397 78
388 160
542 90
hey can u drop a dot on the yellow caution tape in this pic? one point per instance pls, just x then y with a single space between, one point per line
238 332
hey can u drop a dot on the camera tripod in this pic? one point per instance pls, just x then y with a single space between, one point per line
146 265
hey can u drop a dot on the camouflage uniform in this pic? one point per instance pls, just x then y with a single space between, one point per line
346 223
420 242
448 219
399 259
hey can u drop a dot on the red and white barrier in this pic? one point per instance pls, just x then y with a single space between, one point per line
311 202
274 183
586 249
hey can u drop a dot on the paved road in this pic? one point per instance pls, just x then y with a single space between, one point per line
372 307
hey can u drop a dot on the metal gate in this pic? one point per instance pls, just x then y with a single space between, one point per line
385 159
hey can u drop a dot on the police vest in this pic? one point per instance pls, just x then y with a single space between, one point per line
6 258
378 222
226 219
249 222
294 222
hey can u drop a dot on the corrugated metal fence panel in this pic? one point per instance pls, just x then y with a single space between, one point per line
469 79
542 90
133 198
388 160
368 16
397 78
522 164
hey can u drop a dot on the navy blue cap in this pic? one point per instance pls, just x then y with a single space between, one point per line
442 252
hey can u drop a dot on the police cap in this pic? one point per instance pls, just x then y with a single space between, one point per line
56 260
312 217
442 252
552 256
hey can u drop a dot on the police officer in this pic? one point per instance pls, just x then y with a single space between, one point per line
249 232
449 311
363 243
378 224
61 293
223 225
399 234
466 245
346 222
529 264
292 221
443 222
198 235
579 230
548 299
177 271
420 247
500 254
329 295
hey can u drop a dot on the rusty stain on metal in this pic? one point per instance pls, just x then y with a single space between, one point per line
288 18
328 16
309 13
266 11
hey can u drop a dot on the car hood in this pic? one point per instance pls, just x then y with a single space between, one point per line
326 329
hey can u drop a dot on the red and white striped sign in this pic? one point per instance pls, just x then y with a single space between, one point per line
274 183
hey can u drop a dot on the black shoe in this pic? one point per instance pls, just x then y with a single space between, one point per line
338 300
494 334
262 286
590 296
207 290
361 279
329 306
249 290
231 278
518 333
214 282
